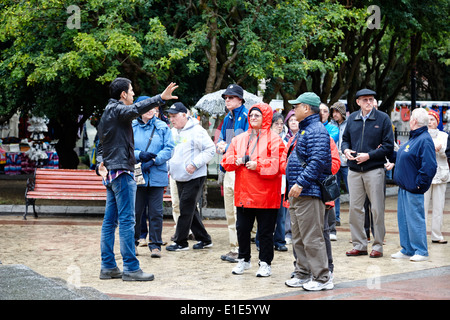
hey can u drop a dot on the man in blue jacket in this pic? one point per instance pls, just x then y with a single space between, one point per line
415 168
235 122
309 161
367 140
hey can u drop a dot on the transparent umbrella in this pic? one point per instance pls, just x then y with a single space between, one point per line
213 103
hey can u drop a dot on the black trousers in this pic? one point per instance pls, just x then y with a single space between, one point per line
189 193
150 198
266 220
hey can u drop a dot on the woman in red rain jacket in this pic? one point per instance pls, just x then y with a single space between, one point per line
255 157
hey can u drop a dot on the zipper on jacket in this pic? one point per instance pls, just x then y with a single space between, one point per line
362 139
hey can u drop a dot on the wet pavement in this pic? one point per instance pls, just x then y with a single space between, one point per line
58 257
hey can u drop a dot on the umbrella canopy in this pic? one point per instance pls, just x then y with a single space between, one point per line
213 103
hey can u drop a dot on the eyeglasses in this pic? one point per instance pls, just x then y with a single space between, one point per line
229 98
254 116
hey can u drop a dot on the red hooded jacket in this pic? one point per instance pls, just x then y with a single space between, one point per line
260 188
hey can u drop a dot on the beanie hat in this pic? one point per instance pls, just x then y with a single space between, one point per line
141 98
234 90
255 108
340 107
309 98
434 114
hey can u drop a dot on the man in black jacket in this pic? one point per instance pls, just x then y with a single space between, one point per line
367 140
116 158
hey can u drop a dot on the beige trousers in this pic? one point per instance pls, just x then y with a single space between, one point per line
175 200
307 219
371 183
436 194
230 209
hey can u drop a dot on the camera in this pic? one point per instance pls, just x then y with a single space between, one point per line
245 158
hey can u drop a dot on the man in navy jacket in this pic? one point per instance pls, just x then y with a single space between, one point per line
367 140
309 161
415 168
235 123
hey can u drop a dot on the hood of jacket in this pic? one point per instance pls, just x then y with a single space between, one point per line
267 115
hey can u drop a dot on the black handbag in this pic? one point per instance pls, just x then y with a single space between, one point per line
328 187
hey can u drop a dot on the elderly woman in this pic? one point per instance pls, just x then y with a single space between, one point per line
415 168
292 124
153 148
255 157
436 193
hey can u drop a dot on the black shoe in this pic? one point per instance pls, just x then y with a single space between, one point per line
176 247
281 248
202 245
138 276
106 274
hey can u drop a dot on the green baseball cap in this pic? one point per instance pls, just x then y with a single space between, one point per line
309 98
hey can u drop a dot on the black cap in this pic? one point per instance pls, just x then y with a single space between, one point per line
234 90
365 92
177 107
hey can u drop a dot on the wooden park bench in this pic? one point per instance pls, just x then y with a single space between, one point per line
65 184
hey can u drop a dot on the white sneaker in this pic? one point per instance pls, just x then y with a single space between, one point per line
314 285
296 282
241 266
264 270
333 237
399 255
418 257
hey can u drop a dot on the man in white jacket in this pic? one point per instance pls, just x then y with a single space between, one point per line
193 150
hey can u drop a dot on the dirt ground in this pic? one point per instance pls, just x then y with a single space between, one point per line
69 248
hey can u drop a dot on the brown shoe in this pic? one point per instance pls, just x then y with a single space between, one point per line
376 254
156 253
230 257
354 253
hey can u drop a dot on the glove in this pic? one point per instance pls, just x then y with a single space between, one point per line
145 156
147 165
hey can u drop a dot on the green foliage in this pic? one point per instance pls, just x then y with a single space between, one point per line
295 45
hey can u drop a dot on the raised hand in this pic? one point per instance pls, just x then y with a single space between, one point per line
167 93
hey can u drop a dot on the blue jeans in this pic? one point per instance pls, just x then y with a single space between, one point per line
340 175
119 210
279 234
411 223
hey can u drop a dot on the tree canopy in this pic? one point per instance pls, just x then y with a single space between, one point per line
57 57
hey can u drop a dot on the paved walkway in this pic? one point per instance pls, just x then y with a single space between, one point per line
60 256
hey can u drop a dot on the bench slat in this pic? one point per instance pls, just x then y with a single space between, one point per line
71 177
66 196
73 187
67 182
